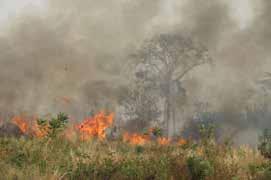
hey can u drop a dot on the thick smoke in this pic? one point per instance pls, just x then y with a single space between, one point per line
72 54
47 56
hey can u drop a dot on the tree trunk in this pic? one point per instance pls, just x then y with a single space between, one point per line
167 115
174 119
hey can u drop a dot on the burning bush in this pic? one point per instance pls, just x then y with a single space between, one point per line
95 126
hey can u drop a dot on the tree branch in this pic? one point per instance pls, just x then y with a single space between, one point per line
187 70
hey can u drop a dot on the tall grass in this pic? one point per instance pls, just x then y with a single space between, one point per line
62 159
58 157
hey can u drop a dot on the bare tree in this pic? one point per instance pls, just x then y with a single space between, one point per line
140 107
266 82
162 63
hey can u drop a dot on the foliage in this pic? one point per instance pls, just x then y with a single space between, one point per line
55 125
60 158
157 132
160 66
199 168
207 131
261 171
265 143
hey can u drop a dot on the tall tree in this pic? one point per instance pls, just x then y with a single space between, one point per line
162 62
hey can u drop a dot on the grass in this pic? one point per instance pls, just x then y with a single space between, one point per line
58 158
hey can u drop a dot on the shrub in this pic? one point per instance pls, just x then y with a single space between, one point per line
55 126
260 172
265 144
199 168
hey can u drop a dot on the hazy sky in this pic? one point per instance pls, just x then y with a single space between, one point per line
11 8
241 9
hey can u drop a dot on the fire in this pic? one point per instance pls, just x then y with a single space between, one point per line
95 126
136 139
40 132
25 126
182 142
163 141
21 123
92 127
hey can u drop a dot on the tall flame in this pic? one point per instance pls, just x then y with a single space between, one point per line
95 126
21 123
29 126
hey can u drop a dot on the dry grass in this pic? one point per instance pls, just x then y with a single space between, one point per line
61 159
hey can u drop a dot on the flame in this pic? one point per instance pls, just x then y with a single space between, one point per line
40 132
70 133
29 128
21 123
92 127
136 139
182 142
163 141
95 126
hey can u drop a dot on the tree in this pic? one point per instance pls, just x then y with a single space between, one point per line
140 107
266 82
162 62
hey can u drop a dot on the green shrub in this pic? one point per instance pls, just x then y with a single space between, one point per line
130 169
55 125
265 144
18 159
260 172
157 132
199 168
207 131
139 149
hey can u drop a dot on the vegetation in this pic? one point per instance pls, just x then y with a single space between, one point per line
58 157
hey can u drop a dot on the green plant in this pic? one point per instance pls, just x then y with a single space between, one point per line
55 125
207 131
265 143
139 149
18 159
260 172
130 169
157 132
199 168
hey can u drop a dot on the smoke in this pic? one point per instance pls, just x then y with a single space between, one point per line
241 56
61 52
78 49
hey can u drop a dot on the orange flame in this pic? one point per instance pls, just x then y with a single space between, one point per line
182 142
95 126
27 127
136 139
21 123
40 132
91 127
163 141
